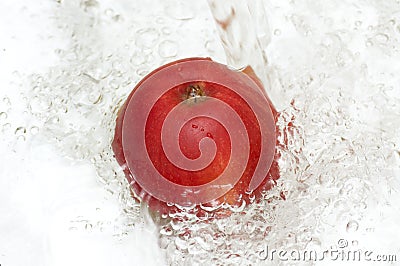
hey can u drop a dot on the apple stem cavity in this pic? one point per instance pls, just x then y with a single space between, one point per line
195 91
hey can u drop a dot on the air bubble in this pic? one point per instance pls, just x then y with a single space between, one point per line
160 20
250 227
381 38
109 12
20 131
368 43
166 231
167 49
39 105
3 116
166 30
86 4
209 45
137 59
5 127
34 130
7 101
95 97
147 38
277 32
352 226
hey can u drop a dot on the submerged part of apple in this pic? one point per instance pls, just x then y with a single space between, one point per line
194 132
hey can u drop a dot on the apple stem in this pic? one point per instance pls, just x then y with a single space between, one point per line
195 91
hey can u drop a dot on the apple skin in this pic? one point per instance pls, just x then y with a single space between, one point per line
190 84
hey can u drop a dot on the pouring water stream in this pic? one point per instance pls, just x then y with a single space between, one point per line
244 32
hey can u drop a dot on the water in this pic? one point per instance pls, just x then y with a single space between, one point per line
330 68
244 33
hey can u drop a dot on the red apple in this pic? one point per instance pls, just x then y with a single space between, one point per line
194 132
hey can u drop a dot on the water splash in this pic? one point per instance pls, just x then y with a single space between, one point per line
333 76
244 32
